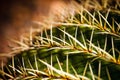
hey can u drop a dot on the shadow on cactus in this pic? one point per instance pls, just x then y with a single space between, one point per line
84 47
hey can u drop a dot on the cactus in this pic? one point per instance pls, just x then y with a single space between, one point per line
83 47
